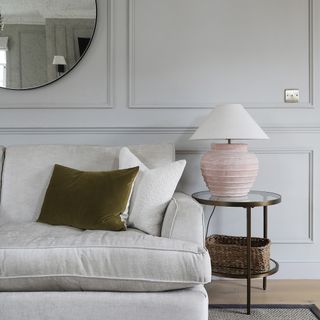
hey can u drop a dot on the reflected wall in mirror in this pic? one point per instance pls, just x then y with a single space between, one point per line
42 40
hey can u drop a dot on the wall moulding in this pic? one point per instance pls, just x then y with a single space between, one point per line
144 130
309 239
95 130
132 103
103 103
184 150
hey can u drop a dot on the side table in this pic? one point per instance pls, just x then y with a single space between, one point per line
252 200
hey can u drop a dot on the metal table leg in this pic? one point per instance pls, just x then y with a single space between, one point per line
248 260
209 220
265 235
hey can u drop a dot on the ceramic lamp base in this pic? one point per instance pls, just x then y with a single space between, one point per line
229 170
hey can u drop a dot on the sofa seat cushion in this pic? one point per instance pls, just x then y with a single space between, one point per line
40 257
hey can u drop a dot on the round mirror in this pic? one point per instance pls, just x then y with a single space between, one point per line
42 40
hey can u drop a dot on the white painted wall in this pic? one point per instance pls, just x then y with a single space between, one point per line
157 66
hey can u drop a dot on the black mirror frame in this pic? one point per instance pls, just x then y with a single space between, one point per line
70 70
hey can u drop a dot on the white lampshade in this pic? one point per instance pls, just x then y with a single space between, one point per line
230 121
59 60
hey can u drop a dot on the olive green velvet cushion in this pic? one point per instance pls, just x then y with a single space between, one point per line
87 200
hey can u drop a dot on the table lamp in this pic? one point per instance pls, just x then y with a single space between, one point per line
60 62
228 169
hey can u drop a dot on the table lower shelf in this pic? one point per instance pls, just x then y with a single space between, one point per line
242 273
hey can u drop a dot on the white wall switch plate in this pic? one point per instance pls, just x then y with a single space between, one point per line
291 95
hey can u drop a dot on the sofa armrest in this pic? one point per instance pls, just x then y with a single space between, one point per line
183 220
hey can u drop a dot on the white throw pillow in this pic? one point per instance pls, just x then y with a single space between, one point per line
152 191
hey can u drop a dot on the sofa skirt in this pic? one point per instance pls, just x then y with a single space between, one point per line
185 304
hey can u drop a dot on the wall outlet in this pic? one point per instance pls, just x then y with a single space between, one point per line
291 95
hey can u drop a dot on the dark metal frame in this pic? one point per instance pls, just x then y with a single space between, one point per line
70 70
248 205
243 274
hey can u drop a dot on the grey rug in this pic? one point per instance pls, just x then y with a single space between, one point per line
264 312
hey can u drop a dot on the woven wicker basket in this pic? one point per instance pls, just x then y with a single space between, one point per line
231 252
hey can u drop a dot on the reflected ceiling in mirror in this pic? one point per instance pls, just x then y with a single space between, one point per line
42 40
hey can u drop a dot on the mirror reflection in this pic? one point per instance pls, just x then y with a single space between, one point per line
41 40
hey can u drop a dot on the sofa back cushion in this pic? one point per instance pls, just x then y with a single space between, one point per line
27 171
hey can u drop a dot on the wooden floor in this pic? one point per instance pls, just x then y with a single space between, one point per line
278 292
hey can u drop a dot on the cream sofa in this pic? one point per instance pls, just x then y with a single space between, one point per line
58 272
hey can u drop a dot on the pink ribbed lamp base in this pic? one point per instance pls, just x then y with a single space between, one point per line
229 170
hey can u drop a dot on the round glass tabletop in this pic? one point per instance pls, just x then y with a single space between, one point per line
253 199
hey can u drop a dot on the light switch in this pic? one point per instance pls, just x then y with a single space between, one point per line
291 95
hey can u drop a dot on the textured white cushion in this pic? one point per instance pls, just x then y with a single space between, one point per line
152 191
27 171
40 257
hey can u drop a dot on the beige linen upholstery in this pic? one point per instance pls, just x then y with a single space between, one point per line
41 257
187 304
27 171
183 220
36 256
